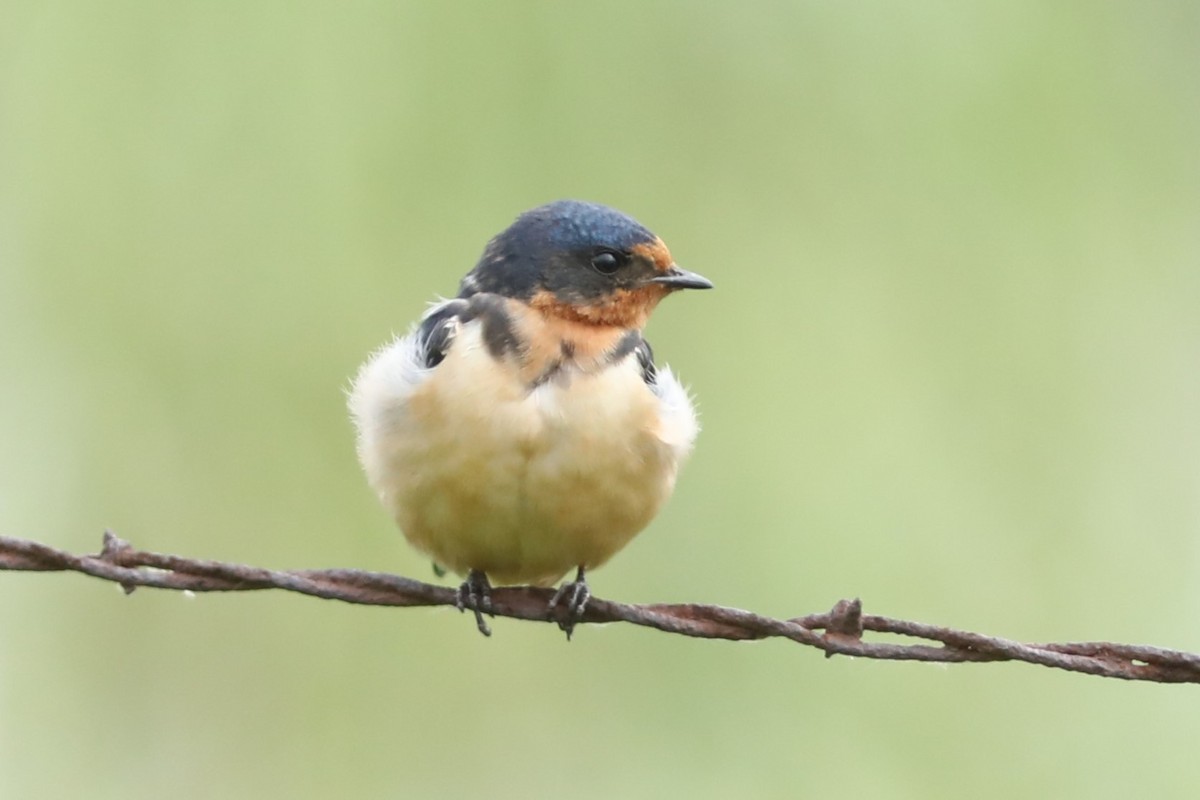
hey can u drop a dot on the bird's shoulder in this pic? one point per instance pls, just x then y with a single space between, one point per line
439 327
513 330
634 344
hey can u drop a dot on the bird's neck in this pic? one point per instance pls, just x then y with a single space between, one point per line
622 309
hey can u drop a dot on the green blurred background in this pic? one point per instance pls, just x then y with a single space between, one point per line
952 366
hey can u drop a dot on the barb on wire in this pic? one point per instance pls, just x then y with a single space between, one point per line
836 632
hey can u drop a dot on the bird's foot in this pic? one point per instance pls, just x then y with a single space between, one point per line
476 594
576 594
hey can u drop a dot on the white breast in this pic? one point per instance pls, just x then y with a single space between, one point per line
480 472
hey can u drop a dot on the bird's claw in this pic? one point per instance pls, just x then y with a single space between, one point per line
475 593
576 594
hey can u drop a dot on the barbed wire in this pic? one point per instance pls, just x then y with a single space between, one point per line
835 632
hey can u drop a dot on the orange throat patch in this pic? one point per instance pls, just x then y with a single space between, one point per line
625 308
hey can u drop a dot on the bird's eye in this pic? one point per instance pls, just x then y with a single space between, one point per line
607 262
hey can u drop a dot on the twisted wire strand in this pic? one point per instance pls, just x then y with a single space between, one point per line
838 631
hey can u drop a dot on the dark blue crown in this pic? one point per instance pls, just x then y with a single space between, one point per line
518 260
576 225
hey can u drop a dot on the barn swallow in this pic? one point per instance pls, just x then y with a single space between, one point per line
522 429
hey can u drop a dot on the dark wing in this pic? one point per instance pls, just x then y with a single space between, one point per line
633 344
437 329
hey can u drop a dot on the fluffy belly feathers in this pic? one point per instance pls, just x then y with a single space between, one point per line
482 472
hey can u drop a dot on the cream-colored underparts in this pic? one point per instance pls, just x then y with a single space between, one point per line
482 472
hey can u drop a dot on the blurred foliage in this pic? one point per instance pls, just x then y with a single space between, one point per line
952 366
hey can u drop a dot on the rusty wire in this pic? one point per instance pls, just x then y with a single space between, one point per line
836 632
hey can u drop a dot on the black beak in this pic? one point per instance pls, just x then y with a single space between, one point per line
678 278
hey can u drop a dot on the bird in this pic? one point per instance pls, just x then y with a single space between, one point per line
521 429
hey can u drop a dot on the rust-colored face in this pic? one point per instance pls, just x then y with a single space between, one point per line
627 302
655 253
580 263
624 308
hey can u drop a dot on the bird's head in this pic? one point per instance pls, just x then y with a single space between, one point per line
583 262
